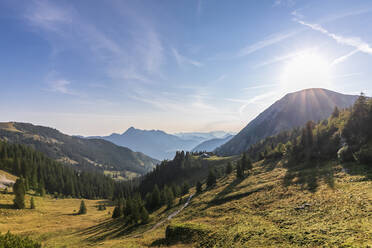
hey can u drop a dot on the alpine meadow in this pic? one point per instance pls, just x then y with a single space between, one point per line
191 123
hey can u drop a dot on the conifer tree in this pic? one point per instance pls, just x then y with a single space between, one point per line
19 191
32 203
169 197
229 168
199 187
211 180
185 188
144 215
239 171
83 208
117 212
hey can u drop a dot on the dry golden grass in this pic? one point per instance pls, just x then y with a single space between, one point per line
263 210
9 126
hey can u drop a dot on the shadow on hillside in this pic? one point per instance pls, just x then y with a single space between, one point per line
159 243
269 165
6 206
221 197
358 170
107 230
308 176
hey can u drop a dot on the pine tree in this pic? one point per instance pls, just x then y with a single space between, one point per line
117 212
336 112
155 198
239 171
19 191
32 203
185 188
199 188
144 215
83 208
211 180
229 168
169 196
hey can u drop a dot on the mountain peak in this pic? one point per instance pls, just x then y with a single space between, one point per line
293 110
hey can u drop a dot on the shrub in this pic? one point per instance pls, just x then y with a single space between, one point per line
13 241
364 155
345 154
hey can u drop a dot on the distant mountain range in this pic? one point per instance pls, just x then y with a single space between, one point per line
212 144
293 110
159 144
86 153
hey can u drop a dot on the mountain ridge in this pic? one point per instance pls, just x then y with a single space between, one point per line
157 143
86 153
293 110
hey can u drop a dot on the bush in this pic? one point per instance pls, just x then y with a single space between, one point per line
345 154
364 155
13 241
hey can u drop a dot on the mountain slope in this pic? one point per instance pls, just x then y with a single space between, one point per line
293 110
87 153
154 143
210 145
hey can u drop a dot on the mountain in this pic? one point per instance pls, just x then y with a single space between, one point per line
203 136
293 110
86 153
159 144
210 145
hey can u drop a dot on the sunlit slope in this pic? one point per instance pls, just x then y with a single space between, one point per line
273 208
293 110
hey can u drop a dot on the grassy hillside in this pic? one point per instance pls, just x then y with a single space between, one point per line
86 153
270 208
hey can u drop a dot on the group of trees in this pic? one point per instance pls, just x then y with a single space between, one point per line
244 164
42 174
132 210
346 134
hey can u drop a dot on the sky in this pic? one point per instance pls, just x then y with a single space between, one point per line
98 67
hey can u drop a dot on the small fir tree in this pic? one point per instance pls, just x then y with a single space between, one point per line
229 168
32 203
211 180
19 191
83 208
199 188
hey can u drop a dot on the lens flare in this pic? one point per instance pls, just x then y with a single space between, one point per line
306 69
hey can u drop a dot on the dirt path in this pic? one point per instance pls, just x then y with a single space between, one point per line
172 214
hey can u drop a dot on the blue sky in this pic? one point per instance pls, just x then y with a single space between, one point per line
97 67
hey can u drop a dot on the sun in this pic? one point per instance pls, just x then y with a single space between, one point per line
307 69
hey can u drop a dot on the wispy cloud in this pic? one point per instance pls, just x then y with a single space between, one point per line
262 86
61 86
268 41
344 57
355 42
141 57
182 60
284 2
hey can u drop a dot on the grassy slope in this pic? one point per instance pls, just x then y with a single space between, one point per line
260 210
256 212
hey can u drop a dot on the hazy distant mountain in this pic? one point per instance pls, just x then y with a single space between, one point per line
210 145
159 144
203 136
86 153
293 110
155 143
